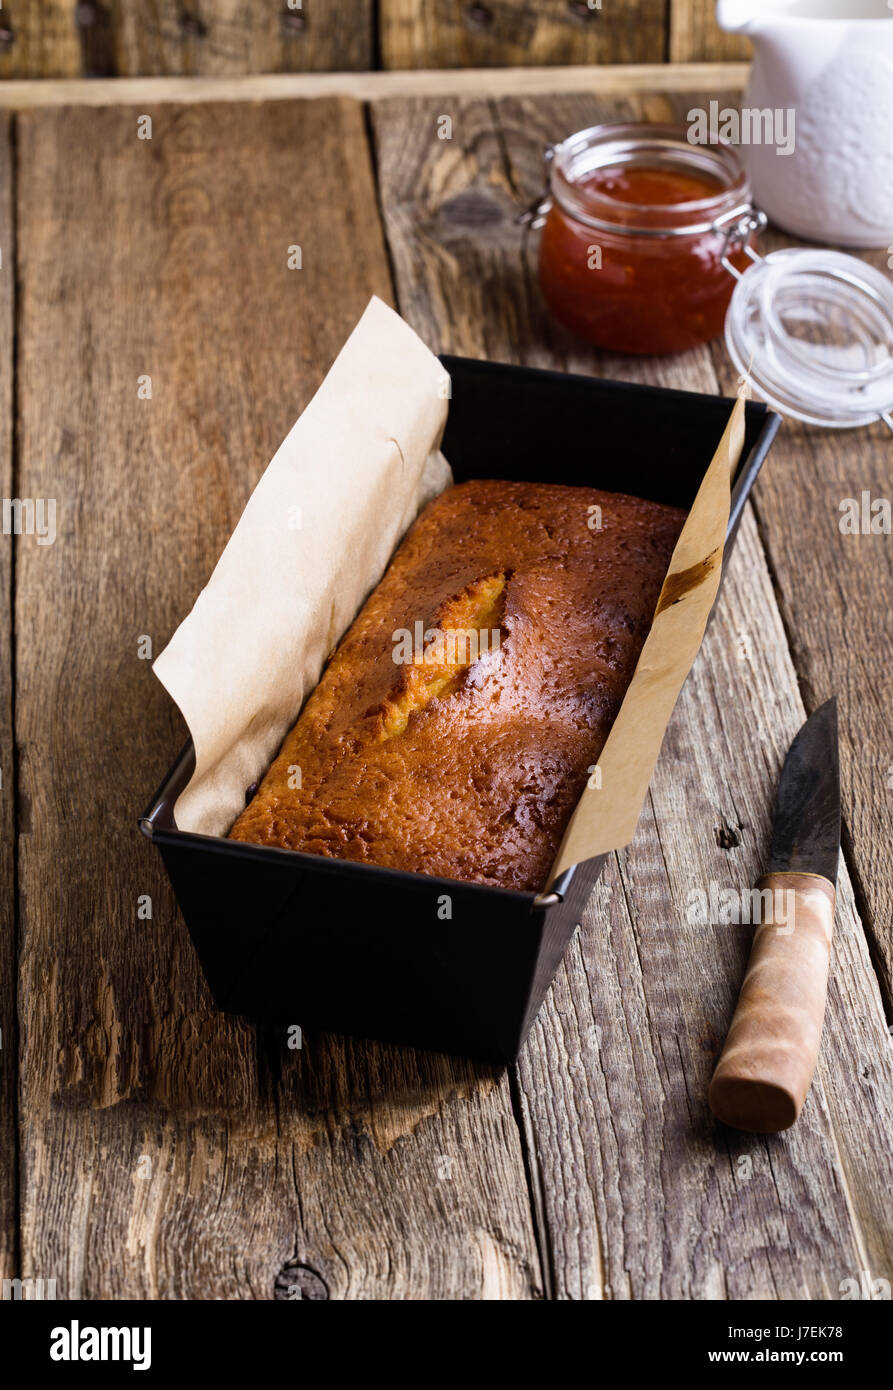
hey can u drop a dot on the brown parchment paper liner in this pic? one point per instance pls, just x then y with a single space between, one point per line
311 544
607 814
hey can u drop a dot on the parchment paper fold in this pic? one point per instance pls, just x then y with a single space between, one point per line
607 812
312 542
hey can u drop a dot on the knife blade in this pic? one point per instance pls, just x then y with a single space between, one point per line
766 1066
806 830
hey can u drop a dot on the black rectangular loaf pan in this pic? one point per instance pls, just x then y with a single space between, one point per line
457 967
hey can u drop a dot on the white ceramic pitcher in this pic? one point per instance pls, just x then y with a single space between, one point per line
831 61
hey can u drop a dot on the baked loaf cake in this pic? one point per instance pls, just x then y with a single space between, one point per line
522 622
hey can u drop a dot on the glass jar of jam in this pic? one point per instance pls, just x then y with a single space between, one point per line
633 255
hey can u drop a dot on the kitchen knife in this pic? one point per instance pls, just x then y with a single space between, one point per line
766 1066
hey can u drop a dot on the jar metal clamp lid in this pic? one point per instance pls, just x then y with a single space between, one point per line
812 329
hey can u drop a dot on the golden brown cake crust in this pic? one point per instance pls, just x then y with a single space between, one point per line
465 769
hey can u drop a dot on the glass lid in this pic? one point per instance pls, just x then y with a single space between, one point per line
813 331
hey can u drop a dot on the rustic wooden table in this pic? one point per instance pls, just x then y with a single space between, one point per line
153 1148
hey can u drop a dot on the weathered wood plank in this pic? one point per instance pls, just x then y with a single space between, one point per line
243 36
695 36
168 1151
8 930
110 38
368 86
107 38
510 33
643 1195
834 589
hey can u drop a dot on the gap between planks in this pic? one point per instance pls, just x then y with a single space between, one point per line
9 1022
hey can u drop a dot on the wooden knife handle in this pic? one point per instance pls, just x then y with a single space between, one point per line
766 1066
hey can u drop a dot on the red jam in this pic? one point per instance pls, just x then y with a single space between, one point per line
639 186
628 256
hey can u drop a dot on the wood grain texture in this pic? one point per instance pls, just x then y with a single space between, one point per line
508 33
642 1194
110 38
369 86
695 36
834 592
39 40
8 928
169 1151
242 36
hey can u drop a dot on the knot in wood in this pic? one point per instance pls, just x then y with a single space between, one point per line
479 17
579 9
192 27
727 837
293 21
298 1281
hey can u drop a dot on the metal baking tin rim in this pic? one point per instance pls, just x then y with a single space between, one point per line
157 822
